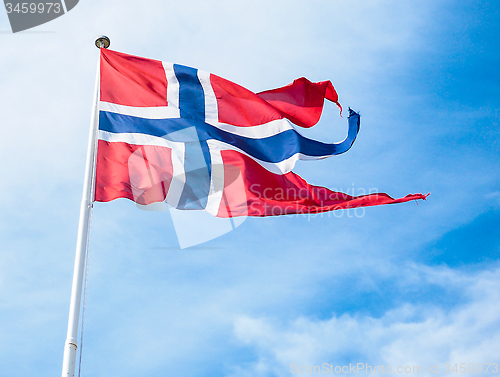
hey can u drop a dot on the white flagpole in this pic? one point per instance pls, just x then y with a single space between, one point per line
71 345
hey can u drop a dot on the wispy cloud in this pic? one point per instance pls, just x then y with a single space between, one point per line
408 335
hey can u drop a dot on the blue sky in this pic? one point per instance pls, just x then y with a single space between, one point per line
398 285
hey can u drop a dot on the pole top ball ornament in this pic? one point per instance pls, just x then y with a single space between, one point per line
102 41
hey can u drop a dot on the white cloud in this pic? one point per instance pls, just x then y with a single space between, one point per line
409 335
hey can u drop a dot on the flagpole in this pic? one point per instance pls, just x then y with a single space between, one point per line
71 344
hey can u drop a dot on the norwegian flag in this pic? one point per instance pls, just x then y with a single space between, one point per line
175 134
